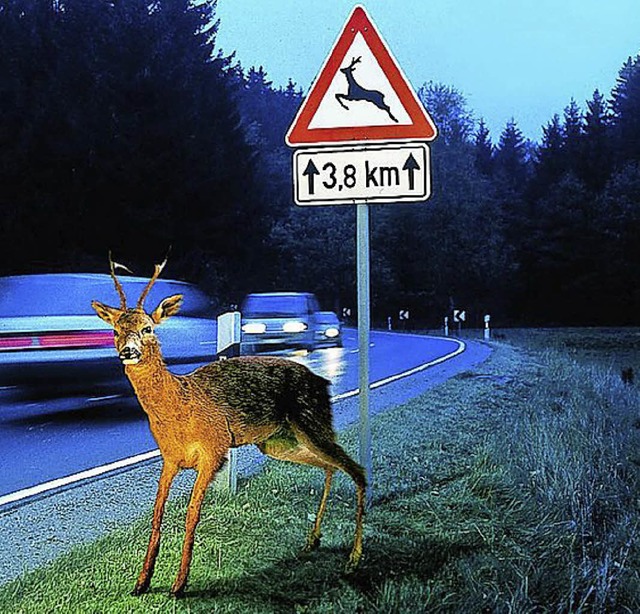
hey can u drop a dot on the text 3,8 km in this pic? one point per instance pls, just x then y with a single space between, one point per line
385 173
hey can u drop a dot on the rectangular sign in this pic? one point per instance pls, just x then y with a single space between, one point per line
362 174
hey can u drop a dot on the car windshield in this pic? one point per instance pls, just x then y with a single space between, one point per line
70 295
273 306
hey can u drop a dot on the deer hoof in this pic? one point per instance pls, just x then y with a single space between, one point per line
313 541
352 564
140 589
177 593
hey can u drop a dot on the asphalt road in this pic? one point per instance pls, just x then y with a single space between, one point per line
47 440
39 529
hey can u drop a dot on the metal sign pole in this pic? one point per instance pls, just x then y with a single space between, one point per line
362 246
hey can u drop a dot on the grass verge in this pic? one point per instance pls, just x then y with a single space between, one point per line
508 489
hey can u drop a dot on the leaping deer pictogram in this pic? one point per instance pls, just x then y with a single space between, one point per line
277 404
357 92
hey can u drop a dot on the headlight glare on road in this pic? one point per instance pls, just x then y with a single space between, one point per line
254 328
294 327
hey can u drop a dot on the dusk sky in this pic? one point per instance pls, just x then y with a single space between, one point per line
521 59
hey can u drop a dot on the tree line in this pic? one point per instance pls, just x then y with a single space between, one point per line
124 128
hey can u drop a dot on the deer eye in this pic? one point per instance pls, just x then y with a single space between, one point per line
147 330
116 333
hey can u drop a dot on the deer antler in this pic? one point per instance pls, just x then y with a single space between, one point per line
119 289
355 61
156 274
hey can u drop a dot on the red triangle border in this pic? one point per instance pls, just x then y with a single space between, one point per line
422 127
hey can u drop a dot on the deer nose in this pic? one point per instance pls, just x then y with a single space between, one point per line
128 354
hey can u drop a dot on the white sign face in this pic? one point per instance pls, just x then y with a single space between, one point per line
362 174
459 316
361 71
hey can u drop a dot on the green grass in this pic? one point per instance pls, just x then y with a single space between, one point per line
512 488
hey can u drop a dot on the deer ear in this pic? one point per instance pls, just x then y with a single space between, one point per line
106 313
168 307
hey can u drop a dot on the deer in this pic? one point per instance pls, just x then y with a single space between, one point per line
277 404
357 92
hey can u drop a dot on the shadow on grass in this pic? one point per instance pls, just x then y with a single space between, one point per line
318 578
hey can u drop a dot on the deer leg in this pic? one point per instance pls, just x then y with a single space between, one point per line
287 447
339 98
169 472
332 454
391 115
313 541
193 517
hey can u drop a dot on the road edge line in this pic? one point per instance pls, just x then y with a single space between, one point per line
32 491
462 346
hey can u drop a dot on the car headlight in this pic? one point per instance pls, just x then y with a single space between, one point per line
254 328
332 332
294 327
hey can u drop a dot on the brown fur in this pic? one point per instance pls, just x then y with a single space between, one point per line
277 404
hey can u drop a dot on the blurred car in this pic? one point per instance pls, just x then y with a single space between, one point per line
328 329
53 344
276 321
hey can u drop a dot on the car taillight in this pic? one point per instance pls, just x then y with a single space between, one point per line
58 340
84 339
15 342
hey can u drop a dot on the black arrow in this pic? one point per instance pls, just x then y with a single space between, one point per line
311 171
411 166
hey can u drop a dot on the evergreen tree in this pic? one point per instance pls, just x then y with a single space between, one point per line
511 156
550 161
573 127
625 106
596 162
483 150
573 138
448 108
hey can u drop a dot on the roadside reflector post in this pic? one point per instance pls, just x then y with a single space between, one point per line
228 335
364 319
487 330
446 326
228 338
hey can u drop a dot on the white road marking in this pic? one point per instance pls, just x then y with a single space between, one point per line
19 495
39 489
393 378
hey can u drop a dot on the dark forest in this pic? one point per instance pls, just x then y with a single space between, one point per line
124 128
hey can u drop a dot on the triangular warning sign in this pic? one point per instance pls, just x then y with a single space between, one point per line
360 94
